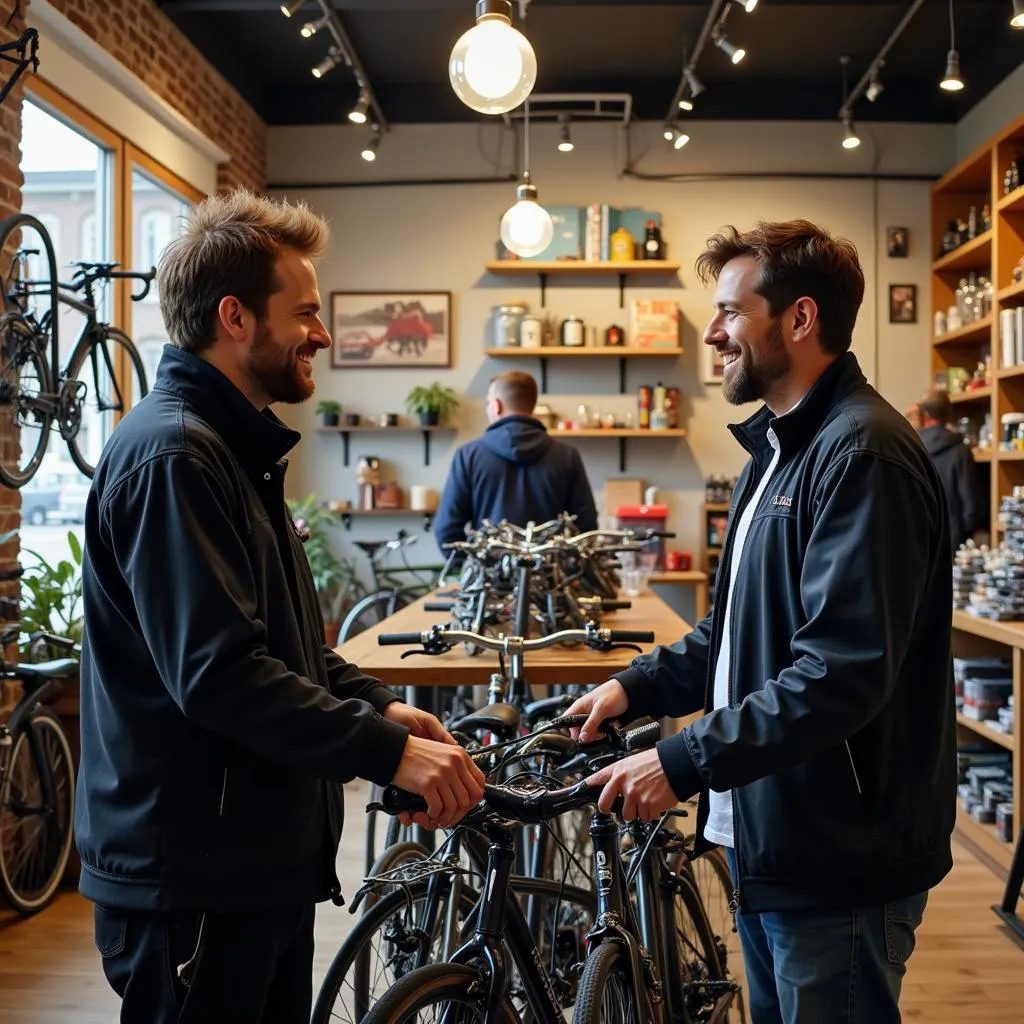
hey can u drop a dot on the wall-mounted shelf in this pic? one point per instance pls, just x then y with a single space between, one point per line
345 432
622 433
973 255
348 514
581 268
622 353
1013 202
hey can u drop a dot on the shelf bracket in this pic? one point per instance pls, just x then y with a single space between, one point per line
346 518
622 455
428 518
622 289
543 288
426 447
344 440
543 375
622 375
1007 910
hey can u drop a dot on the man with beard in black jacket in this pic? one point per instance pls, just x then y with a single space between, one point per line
826 756
516 471
952 459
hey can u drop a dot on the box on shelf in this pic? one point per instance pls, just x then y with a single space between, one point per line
654 323
649 517
622 492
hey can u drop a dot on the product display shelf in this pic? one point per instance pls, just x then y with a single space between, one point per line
622 353
972 637
348 514
622 434
994 253
564 268
345 433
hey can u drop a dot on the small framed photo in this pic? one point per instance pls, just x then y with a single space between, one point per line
388 329
897 243
903 303
712 368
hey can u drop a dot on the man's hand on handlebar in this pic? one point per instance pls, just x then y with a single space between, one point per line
606 701
419 723
641 782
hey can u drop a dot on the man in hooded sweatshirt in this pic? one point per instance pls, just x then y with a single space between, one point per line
515 471
953 460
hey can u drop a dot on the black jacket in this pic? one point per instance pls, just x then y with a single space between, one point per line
216 725
839 742
515 471
959 478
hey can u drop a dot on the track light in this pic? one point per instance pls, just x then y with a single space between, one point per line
492 66
695 84
369 153
734 53
851 140
1017 19
875 87
686 104
311 28
668 133
330 61
565 143
677 137
289 9
357 115
747 5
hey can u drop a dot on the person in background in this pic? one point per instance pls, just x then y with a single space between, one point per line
826 757
515 471
953 460
216 725
913 414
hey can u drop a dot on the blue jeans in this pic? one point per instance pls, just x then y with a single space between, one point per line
828 966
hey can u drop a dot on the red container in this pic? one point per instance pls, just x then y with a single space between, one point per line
650 517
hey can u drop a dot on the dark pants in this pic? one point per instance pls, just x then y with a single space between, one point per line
250 968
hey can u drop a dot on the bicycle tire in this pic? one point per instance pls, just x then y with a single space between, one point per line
371 610
115 338
12 226
17 353
606 970
28 888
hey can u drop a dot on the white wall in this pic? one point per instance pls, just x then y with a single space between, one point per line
438 237
996 111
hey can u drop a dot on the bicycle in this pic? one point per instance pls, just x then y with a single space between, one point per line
35 392
37 777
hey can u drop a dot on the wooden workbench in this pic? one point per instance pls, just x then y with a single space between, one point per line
543 668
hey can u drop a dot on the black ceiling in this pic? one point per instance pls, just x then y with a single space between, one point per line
791 72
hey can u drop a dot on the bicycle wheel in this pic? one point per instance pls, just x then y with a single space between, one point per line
371 610
24 411
606 994
106 376
29 279
35 835
711 876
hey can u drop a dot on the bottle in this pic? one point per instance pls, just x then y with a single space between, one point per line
972 223
672 407
986 218
653 247
621 246
644 407
659 397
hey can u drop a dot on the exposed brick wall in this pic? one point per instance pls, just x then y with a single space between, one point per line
145 41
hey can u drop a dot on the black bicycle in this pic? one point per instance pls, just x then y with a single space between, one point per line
104 373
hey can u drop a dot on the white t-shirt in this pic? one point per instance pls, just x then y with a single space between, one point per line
719 826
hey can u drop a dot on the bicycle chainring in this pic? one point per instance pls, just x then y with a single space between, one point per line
69 408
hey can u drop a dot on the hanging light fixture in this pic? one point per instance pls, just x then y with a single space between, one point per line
951 80
565 142
875 85
357 115
695 84
369 153
686 104
851 140
311 28
1017 19
734 53
679 138
747 5
492 66
669 133
330 61
289 9
526 227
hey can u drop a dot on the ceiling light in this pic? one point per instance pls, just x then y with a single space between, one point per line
526 228
329 62
311 28
1017 20
951 80
875 87
289 9
357 115
735 54
669 133
565 143
747 5
676 136
695 84
369 153
492 66
851 140
685 104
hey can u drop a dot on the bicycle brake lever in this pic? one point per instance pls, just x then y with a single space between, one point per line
432 652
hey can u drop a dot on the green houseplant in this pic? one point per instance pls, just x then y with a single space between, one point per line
335 578
51 596
330 411
432 404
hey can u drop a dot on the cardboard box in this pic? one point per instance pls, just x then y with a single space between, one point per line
622 492
653 323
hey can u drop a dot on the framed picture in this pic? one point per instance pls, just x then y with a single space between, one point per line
903 303
712 368
897 243
380 329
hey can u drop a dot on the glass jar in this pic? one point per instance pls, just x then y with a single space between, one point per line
506 321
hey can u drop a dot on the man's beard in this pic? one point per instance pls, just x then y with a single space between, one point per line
753 379
277 370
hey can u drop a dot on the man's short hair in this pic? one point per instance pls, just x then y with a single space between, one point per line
796 258
936 406
517 391
229 247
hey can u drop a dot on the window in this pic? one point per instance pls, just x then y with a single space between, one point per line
89 245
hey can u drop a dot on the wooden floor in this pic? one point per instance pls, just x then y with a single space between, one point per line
967 968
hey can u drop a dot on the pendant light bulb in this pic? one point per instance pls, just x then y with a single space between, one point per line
526 227
288 10
492 66
357 115
951 80
1017 20
565 140
851 140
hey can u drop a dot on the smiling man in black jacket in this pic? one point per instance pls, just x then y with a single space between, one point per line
825 760
216 725
516 471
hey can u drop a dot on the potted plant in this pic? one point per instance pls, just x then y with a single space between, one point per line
335 578
432 404
330 410
51 598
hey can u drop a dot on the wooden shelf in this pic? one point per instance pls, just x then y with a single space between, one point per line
1013 202
984 837
981 454
1010 456
980 331
716 506
973 255
977 395
348 514
678 576
984 731
973 174
602 268
1010 371
562 352
617 432
1012 296
1009 633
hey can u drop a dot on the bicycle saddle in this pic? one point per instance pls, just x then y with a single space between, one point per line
56 669
370 547
499 718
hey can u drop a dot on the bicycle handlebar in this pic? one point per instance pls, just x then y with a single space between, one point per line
87 273
440 637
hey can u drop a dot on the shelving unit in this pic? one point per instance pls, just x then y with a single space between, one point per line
346 433
348 514
622 433
995 252
622 353
580 268
710 553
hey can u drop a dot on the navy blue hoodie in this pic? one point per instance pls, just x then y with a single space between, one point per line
515 471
